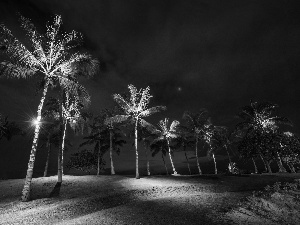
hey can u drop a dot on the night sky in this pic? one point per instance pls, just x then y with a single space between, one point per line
216 55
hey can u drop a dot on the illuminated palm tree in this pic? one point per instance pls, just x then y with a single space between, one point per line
52 57
196 124
167 133
135 110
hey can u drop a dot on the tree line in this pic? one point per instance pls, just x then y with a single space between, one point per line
55 61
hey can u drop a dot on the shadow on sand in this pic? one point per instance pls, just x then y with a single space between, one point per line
55 191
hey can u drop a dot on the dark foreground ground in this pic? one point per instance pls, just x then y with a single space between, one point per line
207 199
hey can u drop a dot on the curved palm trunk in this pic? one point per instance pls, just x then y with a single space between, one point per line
163 158
111 152
279 162
48 156
216 170
262 159
184 148
26 189
174 171
98 160
255 167
198 165
137 175
148 165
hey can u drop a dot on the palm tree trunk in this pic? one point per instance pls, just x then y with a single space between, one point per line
279 162
48 156
216 170
292 168
111 152
266 169
198 165
255 167
162 155
184 148
148 166
61 154
268 166
174 171
63 147
27 186
137 175
228 155
98 162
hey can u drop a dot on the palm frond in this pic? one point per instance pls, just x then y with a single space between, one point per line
144 98
133 94
122 103
8 69
152 110
116 119
35 38
16 51
151 128
174 125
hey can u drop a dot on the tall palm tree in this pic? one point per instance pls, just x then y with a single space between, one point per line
196 124
167 133
70 112
135 109
257 117
53 59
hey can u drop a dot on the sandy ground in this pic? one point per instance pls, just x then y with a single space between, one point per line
207 199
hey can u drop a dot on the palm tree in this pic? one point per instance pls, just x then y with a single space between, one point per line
103 139
160 146
135 109
196 124
209 138
184 141
71 106
167 133
52 58
96 137
257 117
146 137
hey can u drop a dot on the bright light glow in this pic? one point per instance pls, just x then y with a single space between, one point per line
179 89
35 122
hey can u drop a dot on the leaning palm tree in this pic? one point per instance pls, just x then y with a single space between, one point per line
135 109
196 124
167 133
52 57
